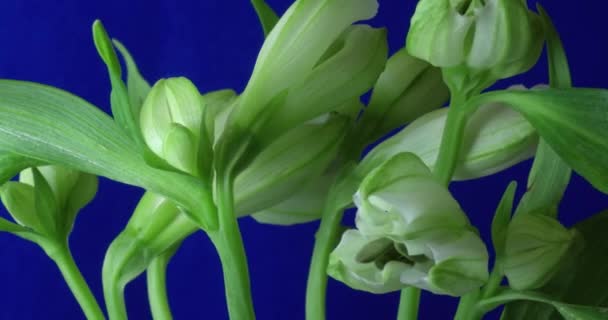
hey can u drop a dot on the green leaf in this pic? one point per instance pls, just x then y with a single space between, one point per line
572 121
268 18
502 216
559 71
581 282
137 86
546 189
119 97
8 226
46 205
11 164
53 126
566 310
18 198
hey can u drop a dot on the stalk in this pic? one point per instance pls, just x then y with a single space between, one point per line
408 304
326 238
156 277
229 244
64 260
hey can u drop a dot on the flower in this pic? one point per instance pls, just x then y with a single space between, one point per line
410 232
491 39
495 138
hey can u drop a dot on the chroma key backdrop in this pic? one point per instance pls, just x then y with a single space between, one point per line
302 126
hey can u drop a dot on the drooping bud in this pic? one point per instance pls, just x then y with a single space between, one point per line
495 138
172 125
411 232
536 245
491 39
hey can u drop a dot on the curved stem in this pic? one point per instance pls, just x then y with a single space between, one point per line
229 244
119 253
156 277
451 141
326 238
408 304
66 264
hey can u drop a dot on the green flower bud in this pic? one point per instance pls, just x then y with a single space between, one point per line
305 205
407 88
288 163
495 138
500 37
49 208
218 105
349 69
172 125
412 233
536 246
312 62
158 223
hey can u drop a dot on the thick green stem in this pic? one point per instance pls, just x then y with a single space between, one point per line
408 304
451 141
64 260
229 244
467 308
120 252
156 276
326 238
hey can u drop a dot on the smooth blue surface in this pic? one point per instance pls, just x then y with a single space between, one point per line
215 43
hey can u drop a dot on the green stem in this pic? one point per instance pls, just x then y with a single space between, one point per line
467 308
156 277
229 244
408 304
451 140
119 254
66 264
326 239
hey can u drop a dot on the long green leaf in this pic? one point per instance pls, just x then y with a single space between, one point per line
54 126
8 226
268 18
550 175
566 310
574 122
581 282
501 219
11 164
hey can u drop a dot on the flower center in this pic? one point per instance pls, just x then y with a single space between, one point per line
384 250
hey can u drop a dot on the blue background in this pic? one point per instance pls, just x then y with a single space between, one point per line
215 43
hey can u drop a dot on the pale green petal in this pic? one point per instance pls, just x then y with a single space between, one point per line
304 205
343 266
288 163
495 138
294 47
